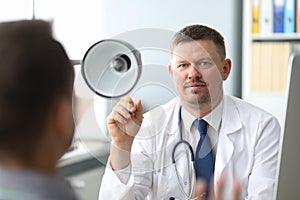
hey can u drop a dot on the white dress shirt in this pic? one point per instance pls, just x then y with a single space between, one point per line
214 120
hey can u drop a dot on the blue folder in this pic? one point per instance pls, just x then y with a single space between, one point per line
278 16
289 16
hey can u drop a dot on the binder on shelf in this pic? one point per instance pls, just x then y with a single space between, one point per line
266 66
266 16
278 16
255 16
281 52
269 66
277 66
256 67
297 16
289 16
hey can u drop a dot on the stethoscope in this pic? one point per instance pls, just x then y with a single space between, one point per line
193 168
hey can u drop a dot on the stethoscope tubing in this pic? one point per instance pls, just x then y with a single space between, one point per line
193 173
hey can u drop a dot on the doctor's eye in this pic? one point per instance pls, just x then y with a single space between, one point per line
182 65
204 64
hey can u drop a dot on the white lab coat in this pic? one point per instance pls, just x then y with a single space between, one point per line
247 150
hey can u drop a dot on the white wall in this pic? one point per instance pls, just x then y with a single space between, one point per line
15 10
76 23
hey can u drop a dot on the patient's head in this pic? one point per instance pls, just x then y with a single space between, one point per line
36 80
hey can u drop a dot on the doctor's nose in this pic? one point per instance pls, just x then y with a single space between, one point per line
193 72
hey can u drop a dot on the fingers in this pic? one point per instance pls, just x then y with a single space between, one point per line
122 111
121 114
220 189
139 107
236 190
139 111
125 119
200 189
127 103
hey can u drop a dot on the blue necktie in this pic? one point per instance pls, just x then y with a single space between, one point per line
204 161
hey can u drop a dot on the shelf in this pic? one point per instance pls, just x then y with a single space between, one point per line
276 37
266 64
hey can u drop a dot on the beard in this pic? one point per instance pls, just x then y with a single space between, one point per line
196 99
205 98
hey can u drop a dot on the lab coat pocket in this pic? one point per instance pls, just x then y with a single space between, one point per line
162 186
168 184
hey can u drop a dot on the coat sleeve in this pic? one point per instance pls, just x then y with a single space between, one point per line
113 188
139 184
262 178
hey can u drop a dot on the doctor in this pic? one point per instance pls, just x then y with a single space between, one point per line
244 138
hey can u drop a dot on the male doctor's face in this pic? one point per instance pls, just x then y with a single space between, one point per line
198 73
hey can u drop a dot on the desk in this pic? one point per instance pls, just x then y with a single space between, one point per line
83 167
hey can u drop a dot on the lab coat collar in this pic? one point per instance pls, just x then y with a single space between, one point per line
213 118
231 124
231 120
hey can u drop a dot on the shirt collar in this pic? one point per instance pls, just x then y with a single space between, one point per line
213 118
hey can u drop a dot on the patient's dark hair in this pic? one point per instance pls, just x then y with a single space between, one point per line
35 71
200 32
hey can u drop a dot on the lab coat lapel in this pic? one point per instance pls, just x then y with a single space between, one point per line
231 124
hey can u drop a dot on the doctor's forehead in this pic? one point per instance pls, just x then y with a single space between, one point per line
190 50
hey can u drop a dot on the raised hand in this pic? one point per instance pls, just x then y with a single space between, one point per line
123 124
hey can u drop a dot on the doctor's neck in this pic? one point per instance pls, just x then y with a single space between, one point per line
200 109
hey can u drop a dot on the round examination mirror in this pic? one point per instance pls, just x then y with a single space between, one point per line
111 68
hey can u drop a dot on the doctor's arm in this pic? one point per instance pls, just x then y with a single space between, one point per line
262 178
123 124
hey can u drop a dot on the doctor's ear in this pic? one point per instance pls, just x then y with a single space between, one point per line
226 68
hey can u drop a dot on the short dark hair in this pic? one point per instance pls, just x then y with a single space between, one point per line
35 71
200 32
